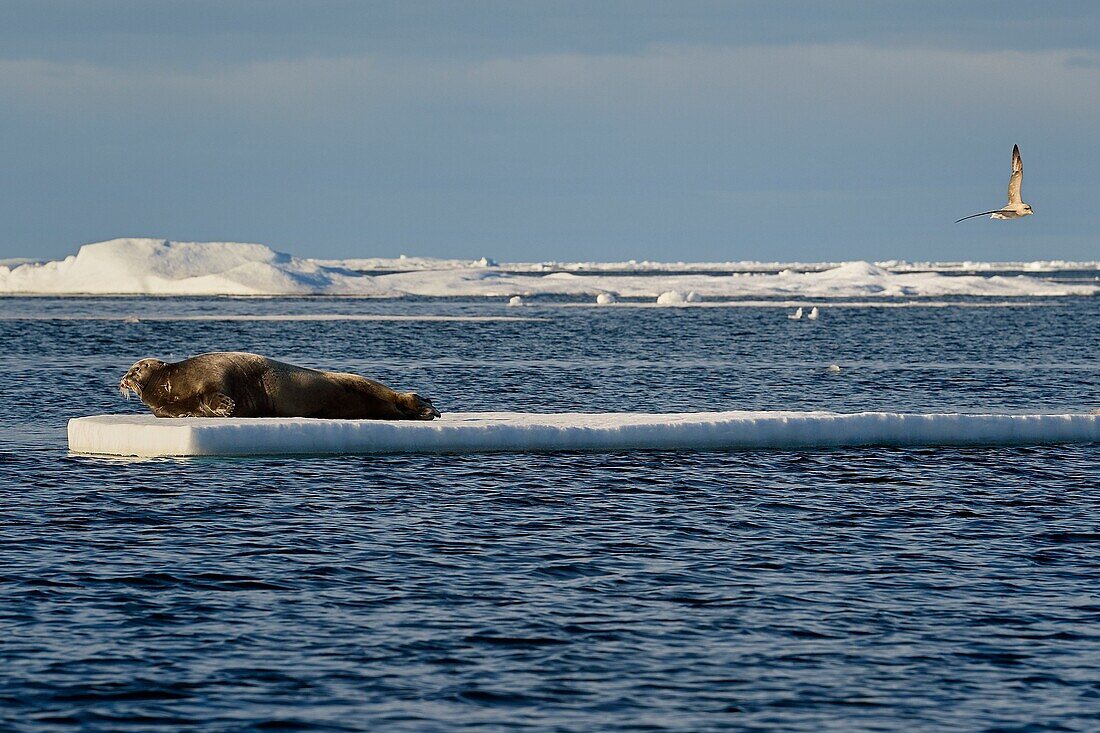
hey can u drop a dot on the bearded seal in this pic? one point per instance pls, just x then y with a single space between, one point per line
239 384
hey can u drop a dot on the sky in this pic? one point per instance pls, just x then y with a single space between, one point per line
531 131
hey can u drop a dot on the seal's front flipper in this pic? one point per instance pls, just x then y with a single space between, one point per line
217 405
193 407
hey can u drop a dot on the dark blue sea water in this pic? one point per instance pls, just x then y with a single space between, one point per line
861 589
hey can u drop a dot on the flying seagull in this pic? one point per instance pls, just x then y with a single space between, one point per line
1015 208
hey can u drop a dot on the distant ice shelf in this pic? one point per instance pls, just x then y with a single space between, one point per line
163 267
479 432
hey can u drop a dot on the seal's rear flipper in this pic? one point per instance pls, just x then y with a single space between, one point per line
420 408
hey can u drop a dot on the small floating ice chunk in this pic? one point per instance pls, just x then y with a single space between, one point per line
833 369
671 297
812 315
606 298
693 297
796 316
131 319
515 300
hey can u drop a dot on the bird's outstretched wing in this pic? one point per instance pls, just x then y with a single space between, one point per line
1017 176
992 211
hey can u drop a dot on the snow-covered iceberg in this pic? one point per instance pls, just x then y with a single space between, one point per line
145 435
162 267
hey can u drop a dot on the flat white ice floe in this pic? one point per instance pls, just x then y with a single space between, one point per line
162 267
474 432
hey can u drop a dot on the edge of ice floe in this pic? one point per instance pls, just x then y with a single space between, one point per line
147 436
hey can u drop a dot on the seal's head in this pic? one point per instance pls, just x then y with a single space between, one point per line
139 375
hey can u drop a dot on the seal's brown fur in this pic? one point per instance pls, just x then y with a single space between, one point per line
238 384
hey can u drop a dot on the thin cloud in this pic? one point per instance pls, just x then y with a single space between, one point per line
827 78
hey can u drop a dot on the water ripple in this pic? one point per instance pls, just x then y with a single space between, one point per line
852 589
